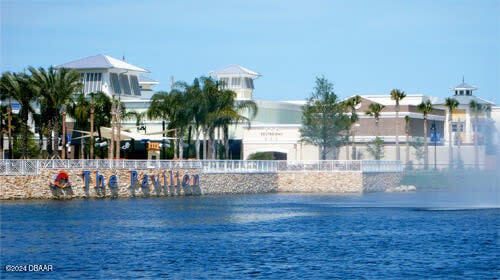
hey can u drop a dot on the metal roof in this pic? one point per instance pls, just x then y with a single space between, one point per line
101 61
233 70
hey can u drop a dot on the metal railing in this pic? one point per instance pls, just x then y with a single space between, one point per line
34 166
380 166
319 166
239 166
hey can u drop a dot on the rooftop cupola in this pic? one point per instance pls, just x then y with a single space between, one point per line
463 89
238 79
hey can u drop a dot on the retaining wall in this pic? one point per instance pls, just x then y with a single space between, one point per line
161 183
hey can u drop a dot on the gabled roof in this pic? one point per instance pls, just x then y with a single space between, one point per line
101 61
235 70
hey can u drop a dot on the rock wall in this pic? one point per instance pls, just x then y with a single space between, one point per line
148 183
239 183
321 182
183 182
380 182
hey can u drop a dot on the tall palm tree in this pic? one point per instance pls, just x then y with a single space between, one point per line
198 109
407 132
20 89
161 108
374 110
476 108
397 95
241 111
452 104
425 108
79 111
100 116
352 105
181 113
5 93
56 88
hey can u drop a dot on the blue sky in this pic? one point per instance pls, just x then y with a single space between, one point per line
362 47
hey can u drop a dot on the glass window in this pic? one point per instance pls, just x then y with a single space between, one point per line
224 82
125 84
249 83
115 83
454 127
236 82
134 82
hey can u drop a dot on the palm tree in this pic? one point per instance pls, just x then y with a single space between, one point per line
476 108
180 113
241 111
425 108
100 116
20 89
56 89
6 94
452 104
407 132
198 110
352 105
79 111
374 110
160 108
397 95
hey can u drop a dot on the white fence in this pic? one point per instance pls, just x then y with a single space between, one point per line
34 167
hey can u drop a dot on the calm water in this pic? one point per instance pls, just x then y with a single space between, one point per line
274 236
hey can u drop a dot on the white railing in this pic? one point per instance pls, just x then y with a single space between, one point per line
34 166
239 166
319 166
378 166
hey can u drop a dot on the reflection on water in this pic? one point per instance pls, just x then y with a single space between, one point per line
271 236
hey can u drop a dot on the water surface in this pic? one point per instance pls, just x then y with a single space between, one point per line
418 235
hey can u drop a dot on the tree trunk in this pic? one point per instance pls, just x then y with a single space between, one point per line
426 148
63 140
197 142
450 148
92 130
211 143
476 139
205 144
25 135
9 128
112 137
175 144
118 130
181 143
226 141
398 155
189 141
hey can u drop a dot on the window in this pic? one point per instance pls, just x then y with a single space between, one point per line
236 82
92 82
125 84
248 83
134 82
224 82
115 83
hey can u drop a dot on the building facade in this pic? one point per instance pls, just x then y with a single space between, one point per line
276 127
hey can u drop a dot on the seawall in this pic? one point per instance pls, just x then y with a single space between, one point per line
164 182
